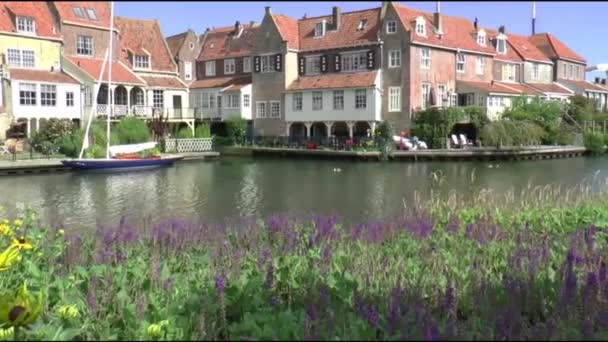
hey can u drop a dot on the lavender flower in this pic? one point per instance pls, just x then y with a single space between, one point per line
311 312
92 295
220 284
168 284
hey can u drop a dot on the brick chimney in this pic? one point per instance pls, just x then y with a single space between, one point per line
437 18
237 26
336 17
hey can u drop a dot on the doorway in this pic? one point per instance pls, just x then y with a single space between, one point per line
177 106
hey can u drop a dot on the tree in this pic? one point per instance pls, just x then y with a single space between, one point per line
546 114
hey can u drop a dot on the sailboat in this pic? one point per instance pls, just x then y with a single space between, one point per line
118 157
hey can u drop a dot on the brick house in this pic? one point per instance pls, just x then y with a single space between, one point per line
185 48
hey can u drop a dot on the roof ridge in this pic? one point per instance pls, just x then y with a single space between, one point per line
429 13
175 35
341 13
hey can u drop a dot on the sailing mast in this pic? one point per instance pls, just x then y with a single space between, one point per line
110 92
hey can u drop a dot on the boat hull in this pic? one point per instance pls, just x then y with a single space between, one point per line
119 164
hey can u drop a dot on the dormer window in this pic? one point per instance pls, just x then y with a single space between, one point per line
362 24
141 62
481 38
25 24
420 27
211 45
78 12
501 44
91 14
391 27
320 29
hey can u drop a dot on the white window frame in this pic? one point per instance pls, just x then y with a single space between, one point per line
275 109
420 26
13 57
141 62
229 66
246 64
481 37
394 58
535 71
48 95
25 25
391 27
313 64
501 39
21 58
260 109
26 90
210 68
425 94
565 72
88 96
508 72
360 99
246 100
267 63
320 29
442 95
571 71
69 99
353 61
461 62
84 44
233 100
317 100
188 71
425 61
394 99
78 12
158 98
297 102
89 11
362 25
338 99
480 65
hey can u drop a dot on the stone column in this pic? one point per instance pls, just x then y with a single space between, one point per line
372 125
351 125
37 124
287 126
328 125
29 128
129 88
308 125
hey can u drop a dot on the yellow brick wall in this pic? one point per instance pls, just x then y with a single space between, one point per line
47 52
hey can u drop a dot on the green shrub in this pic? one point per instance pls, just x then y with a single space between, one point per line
71 144
131 131
236 129
222 141
506 133
434 125
594 142
546 114
385 130
203 131
581 108
184 133
95 151
51 133
565 138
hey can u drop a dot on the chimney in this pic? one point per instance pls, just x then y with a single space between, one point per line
437 18
336 17
475 23
533 17
268 10
597 80
501 29
237 26
603 81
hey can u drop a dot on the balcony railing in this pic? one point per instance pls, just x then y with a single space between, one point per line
148 112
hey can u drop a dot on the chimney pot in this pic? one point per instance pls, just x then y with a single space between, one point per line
437 19
603 81
268 10
475 23
501 29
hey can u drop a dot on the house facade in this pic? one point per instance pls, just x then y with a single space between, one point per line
185 48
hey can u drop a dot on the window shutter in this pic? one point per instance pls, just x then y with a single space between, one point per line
256 63
324 63
370 59
337 61
278 62
302 66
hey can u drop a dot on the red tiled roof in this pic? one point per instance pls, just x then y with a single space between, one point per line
526 49
39 11
176 42
220 43
235 88
521 88
347 33
554 48
342 80
101 8
550 88
511 55
289 30
584 85
137 34
220 82
41 76
120 74
458 33
490 87
164 82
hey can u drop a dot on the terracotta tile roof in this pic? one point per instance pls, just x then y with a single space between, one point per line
41 76
457 32
235 88
220 82
490 87
164 82
37 10
510 56
521 88
289 30
101 8
347 33
332 81
176 42
137 34
92 67
550 88
220 43
578 86
554 48
526 49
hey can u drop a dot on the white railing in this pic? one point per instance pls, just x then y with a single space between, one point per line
189 145
148 112
118 110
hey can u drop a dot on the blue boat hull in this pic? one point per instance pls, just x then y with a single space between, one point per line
119 164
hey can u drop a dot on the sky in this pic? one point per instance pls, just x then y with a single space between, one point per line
580 25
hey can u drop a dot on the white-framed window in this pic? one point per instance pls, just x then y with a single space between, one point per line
246 100
261 109
420 27
481 101
362 24
394 58
210 68
338 99
313 65
442 95
229 66
246 64
267 63
78 12
508 72
425 58
426 94
141 62
565 71
205 100
391 26
481 37
571 69
297 102
535 72
91 13
394 99
188 71
320 29
84 45
27 94
233 101
21 58
360 99
48 95
69 99
460 62
501 45
576 71
219 101
139 98
275 109
158 99
480 65
26 24
317 100
14 57
352 61
88 96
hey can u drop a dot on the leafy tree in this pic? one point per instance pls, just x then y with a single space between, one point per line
50 135
236 128
581 108
594 142
546 114
434 125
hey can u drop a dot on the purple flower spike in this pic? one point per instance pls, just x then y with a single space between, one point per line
220 284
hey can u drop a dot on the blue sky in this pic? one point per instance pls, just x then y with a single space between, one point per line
580 25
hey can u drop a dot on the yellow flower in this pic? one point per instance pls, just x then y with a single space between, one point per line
155 330
18 223
67 312
5 230
7 334
60 232
8 257
22 243
22 309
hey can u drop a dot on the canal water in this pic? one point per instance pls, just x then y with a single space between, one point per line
239 187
